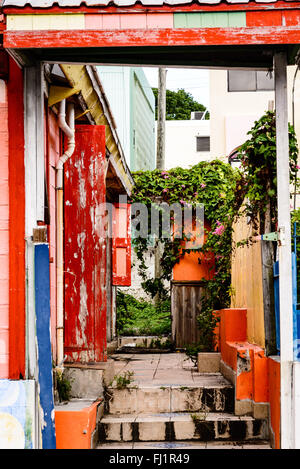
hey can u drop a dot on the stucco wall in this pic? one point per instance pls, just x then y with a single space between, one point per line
4 239
232 114
181 143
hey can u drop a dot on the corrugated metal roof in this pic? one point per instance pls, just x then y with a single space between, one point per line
120 3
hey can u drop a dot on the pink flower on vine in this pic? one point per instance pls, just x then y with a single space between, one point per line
165 190
202 185
219 230
195 193
182 201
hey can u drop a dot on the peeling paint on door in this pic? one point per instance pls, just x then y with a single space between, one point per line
85 249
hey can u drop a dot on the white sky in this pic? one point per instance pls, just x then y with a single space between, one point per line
194 81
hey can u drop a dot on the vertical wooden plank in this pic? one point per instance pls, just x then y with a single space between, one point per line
284 250
17 316
42 306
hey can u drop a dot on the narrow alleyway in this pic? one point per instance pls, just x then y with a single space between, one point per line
169 404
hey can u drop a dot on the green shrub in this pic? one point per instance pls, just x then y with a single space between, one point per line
140 317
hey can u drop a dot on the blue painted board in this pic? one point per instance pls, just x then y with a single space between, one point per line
42 307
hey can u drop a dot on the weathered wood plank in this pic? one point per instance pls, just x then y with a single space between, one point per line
152 37
186 305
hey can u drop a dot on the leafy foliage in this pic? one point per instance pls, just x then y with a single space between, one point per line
122 381
64 387
212 184
179 105
258 158
139 317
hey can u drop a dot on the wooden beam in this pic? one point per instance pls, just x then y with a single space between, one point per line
284 250
273 35
58 93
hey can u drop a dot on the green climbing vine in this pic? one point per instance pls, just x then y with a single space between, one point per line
213 184
226 193
258 159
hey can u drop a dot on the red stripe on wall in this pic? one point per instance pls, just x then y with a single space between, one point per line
263 18
16 223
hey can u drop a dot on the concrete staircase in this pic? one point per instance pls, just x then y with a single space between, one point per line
169 401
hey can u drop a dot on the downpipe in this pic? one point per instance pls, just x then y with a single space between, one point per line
68 127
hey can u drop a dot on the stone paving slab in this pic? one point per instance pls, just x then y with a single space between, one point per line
166 369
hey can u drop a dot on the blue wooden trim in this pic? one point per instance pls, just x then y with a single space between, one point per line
42 306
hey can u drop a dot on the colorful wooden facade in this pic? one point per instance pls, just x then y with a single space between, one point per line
210 33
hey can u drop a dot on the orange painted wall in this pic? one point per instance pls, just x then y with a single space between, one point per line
257 376
4 238
189 268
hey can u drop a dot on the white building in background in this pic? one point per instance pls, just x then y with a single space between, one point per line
237 99
187 142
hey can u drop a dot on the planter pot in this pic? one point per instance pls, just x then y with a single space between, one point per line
209 362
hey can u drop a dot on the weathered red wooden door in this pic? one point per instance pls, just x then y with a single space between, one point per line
85 248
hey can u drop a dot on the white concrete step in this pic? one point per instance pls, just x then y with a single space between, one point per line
186 445
215 396
181 426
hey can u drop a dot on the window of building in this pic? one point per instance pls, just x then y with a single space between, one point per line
202 143
250 80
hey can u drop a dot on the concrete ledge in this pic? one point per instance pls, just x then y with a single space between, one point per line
88 380
142 341
209 362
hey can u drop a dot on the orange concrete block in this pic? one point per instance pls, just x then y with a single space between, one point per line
260 377
244 379
233 328
74 428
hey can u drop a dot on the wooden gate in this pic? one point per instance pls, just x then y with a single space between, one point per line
85 248
185 306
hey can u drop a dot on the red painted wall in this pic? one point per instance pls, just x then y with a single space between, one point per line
16 183
4 241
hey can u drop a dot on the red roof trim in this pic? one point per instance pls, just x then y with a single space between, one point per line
271 35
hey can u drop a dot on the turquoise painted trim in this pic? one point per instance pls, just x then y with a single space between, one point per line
220 19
